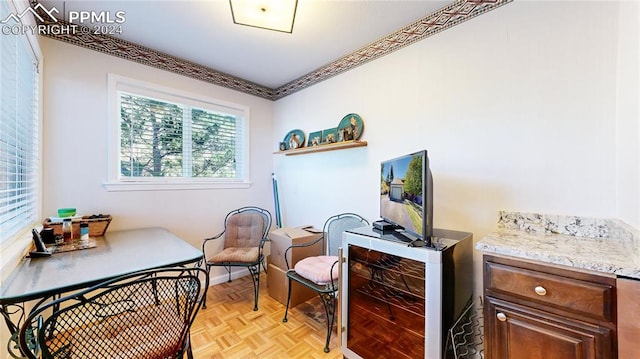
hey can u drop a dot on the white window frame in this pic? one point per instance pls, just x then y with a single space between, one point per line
116 182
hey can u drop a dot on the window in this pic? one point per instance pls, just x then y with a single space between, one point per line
19 133
165 139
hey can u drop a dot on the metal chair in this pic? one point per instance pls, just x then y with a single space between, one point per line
244 235
146 314
320 273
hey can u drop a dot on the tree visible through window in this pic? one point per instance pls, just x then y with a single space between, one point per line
164 139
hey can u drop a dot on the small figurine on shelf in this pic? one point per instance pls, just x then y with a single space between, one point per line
346 134
283 146
355 131
294 142
331 138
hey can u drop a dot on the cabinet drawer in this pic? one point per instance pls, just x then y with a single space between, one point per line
573 295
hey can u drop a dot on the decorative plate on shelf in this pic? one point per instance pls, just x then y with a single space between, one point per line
294 139
350 127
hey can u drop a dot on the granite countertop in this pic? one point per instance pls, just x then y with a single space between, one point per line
602 245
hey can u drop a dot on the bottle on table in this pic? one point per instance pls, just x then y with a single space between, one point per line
84 231
67 230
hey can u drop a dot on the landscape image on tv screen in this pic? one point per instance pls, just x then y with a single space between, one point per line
401 197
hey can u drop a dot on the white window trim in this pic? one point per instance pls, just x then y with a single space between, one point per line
115 182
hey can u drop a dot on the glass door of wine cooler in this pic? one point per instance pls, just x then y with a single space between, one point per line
386 304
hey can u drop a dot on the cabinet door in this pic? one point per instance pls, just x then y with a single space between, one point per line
516 332
628 317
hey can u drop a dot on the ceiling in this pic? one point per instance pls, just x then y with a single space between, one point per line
203 32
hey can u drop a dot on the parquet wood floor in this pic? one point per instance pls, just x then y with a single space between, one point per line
230 329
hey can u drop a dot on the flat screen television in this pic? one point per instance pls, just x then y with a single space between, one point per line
406 194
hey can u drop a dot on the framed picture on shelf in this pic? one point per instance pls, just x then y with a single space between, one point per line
315 139
330 135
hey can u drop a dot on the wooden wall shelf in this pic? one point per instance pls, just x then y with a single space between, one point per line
322 148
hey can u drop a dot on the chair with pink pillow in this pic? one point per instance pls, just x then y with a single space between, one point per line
320 273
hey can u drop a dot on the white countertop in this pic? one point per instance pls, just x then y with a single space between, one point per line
606 246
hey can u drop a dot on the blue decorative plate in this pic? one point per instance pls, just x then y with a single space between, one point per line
350 127
294 139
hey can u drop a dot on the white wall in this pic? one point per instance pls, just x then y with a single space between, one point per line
628 112
75 148
531 107
518 109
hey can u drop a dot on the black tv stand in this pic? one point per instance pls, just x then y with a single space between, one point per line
426 243
384 227
417 243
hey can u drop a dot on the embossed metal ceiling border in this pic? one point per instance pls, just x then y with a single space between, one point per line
447 17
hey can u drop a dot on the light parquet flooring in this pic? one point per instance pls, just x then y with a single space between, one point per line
230 329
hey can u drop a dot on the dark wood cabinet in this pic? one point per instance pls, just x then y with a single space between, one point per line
535 311
628 291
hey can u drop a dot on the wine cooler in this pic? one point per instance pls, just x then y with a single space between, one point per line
398 300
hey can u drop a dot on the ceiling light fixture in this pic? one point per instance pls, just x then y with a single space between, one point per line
275 15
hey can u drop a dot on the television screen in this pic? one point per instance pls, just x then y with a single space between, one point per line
406 193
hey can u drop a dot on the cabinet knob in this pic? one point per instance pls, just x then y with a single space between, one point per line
540 290
501 317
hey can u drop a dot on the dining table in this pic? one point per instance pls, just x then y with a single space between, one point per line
111 255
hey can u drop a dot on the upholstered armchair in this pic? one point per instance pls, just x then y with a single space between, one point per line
244 235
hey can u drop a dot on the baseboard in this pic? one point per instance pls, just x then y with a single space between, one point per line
223 278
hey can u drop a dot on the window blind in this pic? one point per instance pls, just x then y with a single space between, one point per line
19 134
159 138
